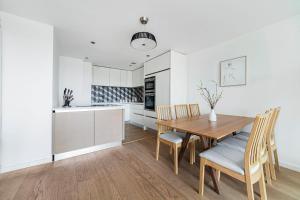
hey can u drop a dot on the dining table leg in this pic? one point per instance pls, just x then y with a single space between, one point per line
183 146
210 170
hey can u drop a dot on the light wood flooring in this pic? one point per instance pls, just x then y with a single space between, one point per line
129 172
134 133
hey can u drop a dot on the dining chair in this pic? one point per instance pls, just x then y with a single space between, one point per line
244 166
240 145
270 140
181 112
167 135
271 145
194 110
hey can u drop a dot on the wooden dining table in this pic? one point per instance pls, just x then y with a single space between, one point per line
207 131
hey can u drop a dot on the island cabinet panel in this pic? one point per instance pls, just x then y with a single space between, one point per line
109 126
73 130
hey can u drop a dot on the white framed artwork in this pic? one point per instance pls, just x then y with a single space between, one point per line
233 72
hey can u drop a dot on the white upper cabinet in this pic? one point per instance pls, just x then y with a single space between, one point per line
124 78
129 79
115 77
112 77
141 76
138 77
100 76
158 64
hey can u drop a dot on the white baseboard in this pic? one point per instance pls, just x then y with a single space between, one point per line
79 152
9 168
290 166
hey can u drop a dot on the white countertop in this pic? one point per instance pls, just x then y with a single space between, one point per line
88 108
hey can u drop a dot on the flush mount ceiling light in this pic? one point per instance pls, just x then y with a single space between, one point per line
143 41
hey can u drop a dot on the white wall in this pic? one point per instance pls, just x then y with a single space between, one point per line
273 73
27 60
75 74
55 70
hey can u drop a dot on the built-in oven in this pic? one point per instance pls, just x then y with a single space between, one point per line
150 93
150 101
150 84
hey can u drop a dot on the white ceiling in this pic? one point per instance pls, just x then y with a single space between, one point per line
183 25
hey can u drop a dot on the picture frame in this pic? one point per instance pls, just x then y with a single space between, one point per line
233 72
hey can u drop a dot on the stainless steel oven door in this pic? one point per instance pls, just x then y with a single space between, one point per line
150 101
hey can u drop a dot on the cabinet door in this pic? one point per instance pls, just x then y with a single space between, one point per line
129 79
162 90
127 112
115 77
141 76
123 78
73 130
134 78
138 77
101 76
109 126
157 64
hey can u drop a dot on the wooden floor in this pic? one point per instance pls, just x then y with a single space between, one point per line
129 172
134 133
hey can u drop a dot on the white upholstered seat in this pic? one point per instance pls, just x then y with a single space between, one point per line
228 157
172 136
246 134
234 143
243 136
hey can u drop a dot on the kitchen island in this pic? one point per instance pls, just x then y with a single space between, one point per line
80 130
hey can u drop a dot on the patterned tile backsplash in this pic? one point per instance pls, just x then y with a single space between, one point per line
108 94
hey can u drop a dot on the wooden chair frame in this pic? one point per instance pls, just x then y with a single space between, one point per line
183 111
252 158
164 112
194 110
271 146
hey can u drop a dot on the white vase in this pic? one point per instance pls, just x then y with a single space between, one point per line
212 116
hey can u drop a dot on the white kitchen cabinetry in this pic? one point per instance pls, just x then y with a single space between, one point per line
162 96
170 72
123 82
115 77
158 64
126 112
138 77
129 79
137 114
112 77
162 92
101 76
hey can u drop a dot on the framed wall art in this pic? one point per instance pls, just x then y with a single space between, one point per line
233 72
